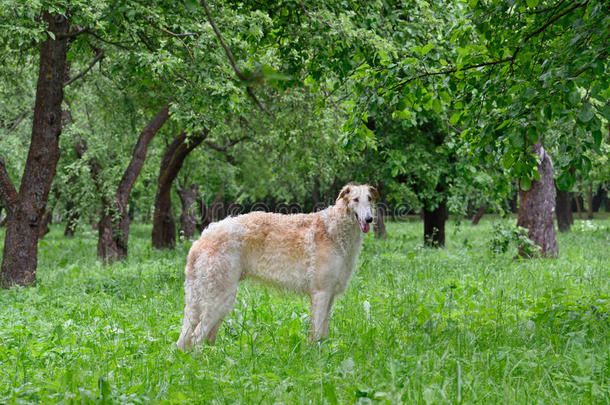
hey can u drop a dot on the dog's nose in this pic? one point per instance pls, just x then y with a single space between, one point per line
368 219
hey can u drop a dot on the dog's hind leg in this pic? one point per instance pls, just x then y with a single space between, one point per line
192 313
213 313
218 291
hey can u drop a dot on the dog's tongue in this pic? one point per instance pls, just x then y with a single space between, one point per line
365 227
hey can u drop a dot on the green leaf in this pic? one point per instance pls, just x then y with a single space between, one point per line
402 114
455 117
507 160
532 3
606 112
565 181
597 140
427 49
532 135
525 183
586 113
574 97
436 106
192 5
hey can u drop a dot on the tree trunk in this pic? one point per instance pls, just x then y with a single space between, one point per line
113 228
563 208
537 208
72 218
164 228
599 198
379 224
25 209
590 201
578 202
480 212
188 219
434 225
211 213
43 228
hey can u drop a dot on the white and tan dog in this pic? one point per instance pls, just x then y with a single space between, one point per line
313 254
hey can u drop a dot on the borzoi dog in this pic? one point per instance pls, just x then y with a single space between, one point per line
313 254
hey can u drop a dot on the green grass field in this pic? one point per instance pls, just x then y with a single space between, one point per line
416 325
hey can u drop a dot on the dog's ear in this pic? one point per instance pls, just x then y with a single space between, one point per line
374 193
344 192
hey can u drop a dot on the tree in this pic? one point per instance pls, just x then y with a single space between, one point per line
26 207
537 208
563 209
164 228
510 70
114 224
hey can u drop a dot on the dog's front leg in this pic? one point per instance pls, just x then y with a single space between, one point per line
321 301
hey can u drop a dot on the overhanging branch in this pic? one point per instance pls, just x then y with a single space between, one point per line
99 56
227 145
229 54
510 59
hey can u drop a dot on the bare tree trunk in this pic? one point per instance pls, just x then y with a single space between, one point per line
43 228
164 228
480 212
590 201
434 225
113 228
379 224
599 198
188 219
72 218
211 213
578 201
563 208
537 208
26 207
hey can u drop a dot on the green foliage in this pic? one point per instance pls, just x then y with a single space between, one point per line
415 326
506 238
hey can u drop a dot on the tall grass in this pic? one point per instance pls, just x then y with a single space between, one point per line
417 325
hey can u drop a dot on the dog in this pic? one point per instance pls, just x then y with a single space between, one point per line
313 254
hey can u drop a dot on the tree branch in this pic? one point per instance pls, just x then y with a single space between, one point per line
222 42
18 120
99 56
227 145
449 71
510 59
229 54
8 193
72 33
139 154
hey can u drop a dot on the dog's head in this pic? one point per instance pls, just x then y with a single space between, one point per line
359 201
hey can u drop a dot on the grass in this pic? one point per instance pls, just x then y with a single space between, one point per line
417 325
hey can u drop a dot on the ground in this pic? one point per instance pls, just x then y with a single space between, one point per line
417 325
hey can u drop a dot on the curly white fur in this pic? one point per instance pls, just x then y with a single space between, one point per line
314 254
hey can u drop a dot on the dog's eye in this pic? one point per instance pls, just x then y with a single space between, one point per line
356 200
